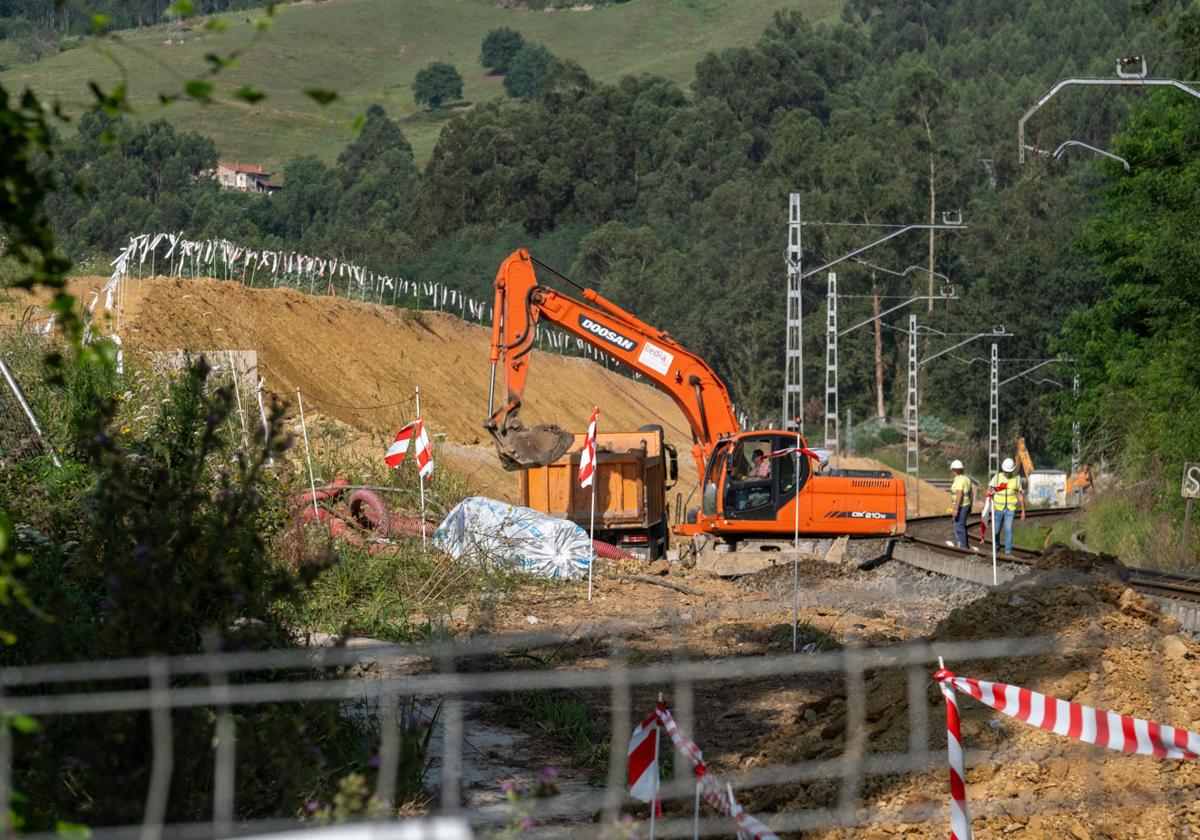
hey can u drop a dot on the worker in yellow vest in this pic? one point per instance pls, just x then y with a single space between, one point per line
962 495
1007 495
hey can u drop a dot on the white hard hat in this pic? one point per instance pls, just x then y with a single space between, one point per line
956 464
1008 465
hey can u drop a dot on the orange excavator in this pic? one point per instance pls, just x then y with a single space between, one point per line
749 499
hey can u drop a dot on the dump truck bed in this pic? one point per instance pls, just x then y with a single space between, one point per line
631 472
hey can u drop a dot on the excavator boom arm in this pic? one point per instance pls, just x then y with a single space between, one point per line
521 302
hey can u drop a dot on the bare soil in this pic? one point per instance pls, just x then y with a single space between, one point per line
354 361
1121 654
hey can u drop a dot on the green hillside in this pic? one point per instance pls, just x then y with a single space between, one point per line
370 50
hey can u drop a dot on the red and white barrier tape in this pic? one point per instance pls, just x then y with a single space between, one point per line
714 793
960 818
1082 723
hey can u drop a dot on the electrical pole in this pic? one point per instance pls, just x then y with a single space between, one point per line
994 415
911 452
831 367
793 370
910 403
793 376
1076 445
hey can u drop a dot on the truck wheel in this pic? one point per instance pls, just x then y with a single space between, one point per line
660 537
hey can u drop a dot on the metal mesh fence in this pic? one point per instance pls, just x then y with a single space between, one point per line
459 675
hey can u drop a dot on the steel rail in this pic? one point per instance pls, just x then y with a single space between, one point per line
1167 588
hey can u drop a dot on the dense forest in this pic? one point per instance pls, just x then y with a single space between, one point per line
673 201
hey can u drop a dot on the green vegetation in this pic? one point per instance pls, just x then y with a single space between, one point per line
808 633
437 83
1035 536
307 47
1135 347
498 49
565 717
1138 531
529 73
406 595
152 538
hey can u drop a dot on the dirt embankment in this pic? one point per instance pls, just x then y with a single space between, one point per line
1118 652
354 361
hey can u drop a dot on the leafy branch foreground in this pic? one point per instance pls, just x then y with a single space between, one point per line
160 536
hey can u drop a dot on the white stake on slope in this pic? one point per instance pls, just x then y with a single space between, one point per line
262 412
421 480
233 367
796 551
994 581
312 482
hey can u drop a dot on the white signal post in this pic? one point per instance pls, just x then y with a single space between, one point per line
592 537
421 478
796 549
312 482
592 562
995 576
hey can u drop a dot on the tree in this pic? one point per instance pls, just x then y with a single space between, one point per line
499 48
379 182
529 72
437 83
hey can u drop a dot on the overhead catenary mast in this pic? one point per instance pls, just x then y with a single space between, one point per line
793 384
793 370
831 368
994 414
912 464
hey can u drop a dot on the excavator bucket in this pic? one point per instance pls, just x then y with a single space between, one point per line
519 448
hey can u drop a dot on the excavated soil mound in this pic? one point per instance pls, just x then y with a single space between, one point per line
1058 556
1119 652
354 361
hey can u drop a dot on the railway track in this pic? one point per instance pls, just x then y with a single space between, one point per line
1177 594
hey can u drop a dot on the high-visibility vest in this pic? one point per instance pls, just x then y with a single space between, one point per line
1005 499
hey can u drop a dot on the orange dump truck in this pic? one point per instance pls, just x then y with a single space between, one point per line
634 472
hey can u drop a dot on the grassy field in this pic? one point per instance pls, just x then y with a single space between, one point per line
370 50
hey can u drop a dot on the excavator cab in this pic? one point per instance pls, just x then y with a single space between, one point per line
750 484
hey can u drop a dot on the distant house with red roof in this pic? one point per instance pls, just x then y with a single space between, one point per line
245 178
